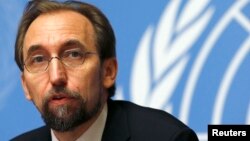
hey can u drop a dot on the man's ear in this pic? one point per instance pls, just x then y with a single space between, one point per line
26 91
110 68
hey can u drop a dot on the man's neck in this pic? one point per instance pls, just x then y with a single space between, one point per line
78 131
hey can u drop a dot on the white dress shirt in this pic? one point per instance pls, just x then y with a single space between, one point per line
95 131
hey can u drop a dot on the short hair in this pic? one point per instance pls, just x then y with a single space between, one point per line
105 38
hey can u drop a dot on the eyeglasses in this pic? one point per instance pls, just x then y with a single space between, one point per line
39 63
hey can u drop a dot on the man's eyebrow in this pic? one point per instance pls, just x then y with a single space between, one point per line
66 44
33 48
73 42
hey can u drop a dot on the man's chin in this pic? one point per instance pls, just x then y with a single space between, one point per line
64 117
63 112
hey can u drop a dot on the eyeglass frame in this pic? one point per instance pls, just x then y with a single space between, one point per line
60 59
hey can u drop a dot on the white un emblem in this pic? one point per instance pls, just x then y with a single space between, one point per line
194 63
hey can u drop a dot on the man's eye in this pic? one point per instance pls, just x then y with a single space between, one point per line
73 54
37 59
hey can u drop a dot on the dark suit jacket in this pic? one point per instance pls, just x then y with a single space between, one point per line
129 122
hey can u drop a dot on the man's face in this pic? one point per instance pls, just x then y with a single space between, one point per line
62 93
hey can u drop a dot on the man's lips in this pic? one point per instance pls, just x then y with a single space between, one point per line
60 98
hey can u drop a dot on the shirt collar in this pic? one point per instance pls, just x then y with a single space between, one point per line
95 131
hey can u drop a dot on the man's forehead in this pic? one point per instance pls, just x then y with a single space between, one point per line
64 19
57 27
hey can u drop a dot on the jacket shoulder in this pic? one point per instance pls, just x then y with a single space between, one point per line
150 124
39 134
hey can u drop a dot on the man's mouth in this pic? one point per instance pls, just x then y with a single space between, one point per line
59 99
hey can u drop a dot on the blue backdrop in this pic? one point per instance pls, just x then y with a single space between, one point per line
190 58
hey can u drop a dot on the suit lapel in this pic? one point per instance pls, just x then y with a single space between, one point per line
116 128
43 134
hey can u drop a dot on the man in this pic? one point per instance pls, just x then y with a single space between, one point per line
66 52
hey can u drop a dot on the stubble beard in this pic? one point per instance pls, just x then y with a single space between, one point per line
68 116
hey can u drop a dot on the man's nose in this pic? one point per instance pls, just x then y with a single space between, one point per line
57 72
